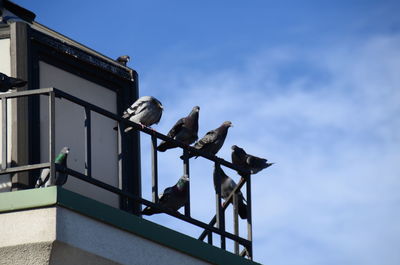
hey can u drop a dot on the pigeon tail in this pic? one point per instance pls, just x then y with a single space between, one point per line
242 207
150 211
164 146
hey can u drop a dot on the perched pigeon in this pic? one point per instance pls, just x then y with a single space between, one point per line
250 162
146 111
124 59
227 186
7 83
61 177
213 140
184 130
173 197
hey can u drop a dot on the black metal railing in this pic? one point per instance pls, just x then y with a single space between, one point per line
216 225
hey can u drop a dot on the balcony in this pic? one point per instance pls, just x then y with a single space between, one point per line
128 210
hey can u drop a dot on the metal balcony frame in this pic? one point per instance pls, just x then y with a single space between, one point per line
209 228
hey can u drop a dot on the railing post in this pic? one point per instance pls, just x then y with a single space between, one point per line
220 212
4 134
52 140
235 221
186 172
88 143
154 169
210 238
249 221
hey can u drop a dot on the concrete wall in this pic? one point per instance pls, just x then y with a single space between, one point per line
70 131
59 236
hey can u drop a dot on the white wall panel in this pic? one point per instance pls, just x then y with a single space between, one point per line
70 130
5 68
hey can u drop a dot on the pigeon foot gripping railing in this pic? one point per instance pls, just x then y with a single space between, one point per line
209 228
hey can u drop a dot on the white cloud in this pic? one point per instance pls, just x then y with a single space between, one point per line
333 130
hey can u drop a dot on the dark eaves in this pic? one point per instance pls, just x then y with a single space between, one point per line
19 11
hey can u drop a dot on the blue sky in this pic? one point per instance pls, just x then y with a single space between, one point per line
311 85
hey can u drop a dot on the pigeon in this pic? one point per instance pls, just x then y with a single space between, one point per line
145 110
184 130
213 140
61 177
123 60
250 162
173 197
227 186
7 83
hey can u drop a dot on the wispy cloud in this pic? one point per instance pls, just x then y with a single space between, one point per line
333 129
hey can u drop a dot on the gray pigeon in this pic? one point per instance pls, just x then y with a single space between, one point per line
184 130
123 60
61 177
173 197
250 162
145 110
213 140
227 186
7 83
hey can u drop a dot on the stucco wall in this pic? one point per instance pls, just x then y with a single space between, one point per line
57 235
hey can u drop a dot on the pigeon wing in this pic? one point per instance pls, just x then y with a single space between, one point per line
209 138
163 146
43 179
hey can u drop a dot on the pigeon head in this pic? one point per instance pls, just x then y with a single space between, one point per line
227 124
184 178
65 150
196 109
157 102
124 59
182 182
238 151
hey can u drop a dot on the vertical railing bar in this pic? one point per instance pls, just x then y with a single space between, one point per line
186 172
4 134
249 217
121 156
210 238
52 137
220 212
88 143
235 222
154 169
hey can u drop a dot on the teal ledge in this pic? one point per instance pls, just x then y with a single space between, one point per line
52 196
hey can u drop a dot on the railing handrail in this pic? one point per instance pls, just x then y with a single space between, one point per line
92 107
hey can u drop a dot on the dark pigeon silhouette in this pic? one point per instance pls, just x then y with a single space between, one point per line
253 163
61 177
173 197
7 83
146 111
227 186
184 130
123 60
213 140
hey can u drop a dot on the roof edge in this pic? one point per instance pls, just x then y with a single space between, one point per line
21 12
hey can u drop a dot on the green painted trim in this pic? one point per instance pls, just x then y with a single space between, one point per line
35 198
27 199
